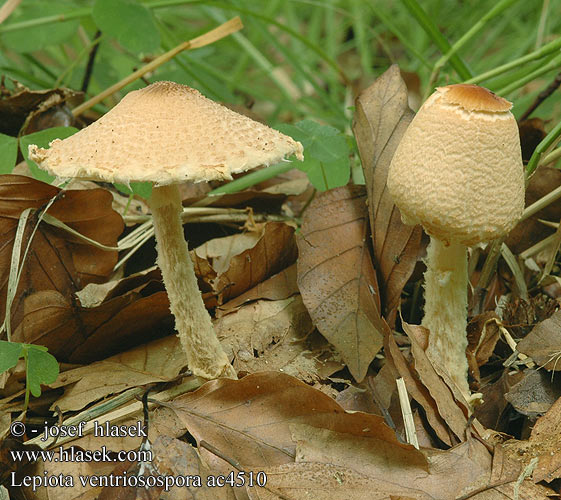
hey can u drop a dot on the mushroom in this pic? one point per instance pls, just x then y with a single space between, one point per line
168 133
458 172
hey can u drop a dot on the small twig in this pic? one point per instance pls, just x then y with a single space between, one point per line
212 36
91 60
541 97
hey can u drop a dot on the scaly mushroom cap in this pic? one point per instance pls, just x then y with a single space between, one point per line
166 133
458 168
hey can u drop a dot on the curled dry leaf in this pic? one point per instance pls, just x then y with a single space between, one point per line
81 335
417 390
337 279
483 334
543 343
36 109
235 264
441 392
57 263
278 287
382 116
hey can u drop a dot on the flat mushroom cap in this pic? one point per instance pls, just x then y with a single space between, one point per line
458 168
166 133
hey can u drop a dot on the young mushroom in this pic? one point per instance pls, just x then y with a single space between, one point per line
458 172
168 133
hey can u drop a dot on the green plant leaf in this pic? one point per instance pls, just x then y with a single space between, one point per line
129 22
142 189
35 37
42 368
321 142
10 352
326 175
42 139
326 153
8 153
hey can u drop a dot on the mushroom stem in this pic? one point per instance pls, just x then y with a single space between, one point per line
446 281
205 356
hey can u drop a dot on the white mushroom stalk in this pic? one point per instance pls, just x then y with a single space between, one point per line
458 172
205 355
446 284
166 134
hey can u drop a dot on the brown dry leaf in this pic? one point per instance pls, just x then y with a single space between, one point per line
177 458
382 116
273 335
547 439
320 481
159 361
416 389
235 264
57 262
249 420
543 343
82 335
71 470
447 474
535 393
278 287
39 108
544 444
443 393
505 474
483 334
491 413
337 279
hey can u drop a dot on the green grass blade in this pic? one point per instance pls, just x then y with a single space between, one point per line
433 32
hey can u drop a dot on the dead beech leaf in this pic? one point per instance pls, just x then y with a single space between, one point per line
278 287
57 261
382 116
235 264
249 420
158 361
544 444
417 390
362 453
442 393
543 343
173 457
82 335
444 476
483 334
273 335
325 481
37 109
546 438
337 279
535 393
